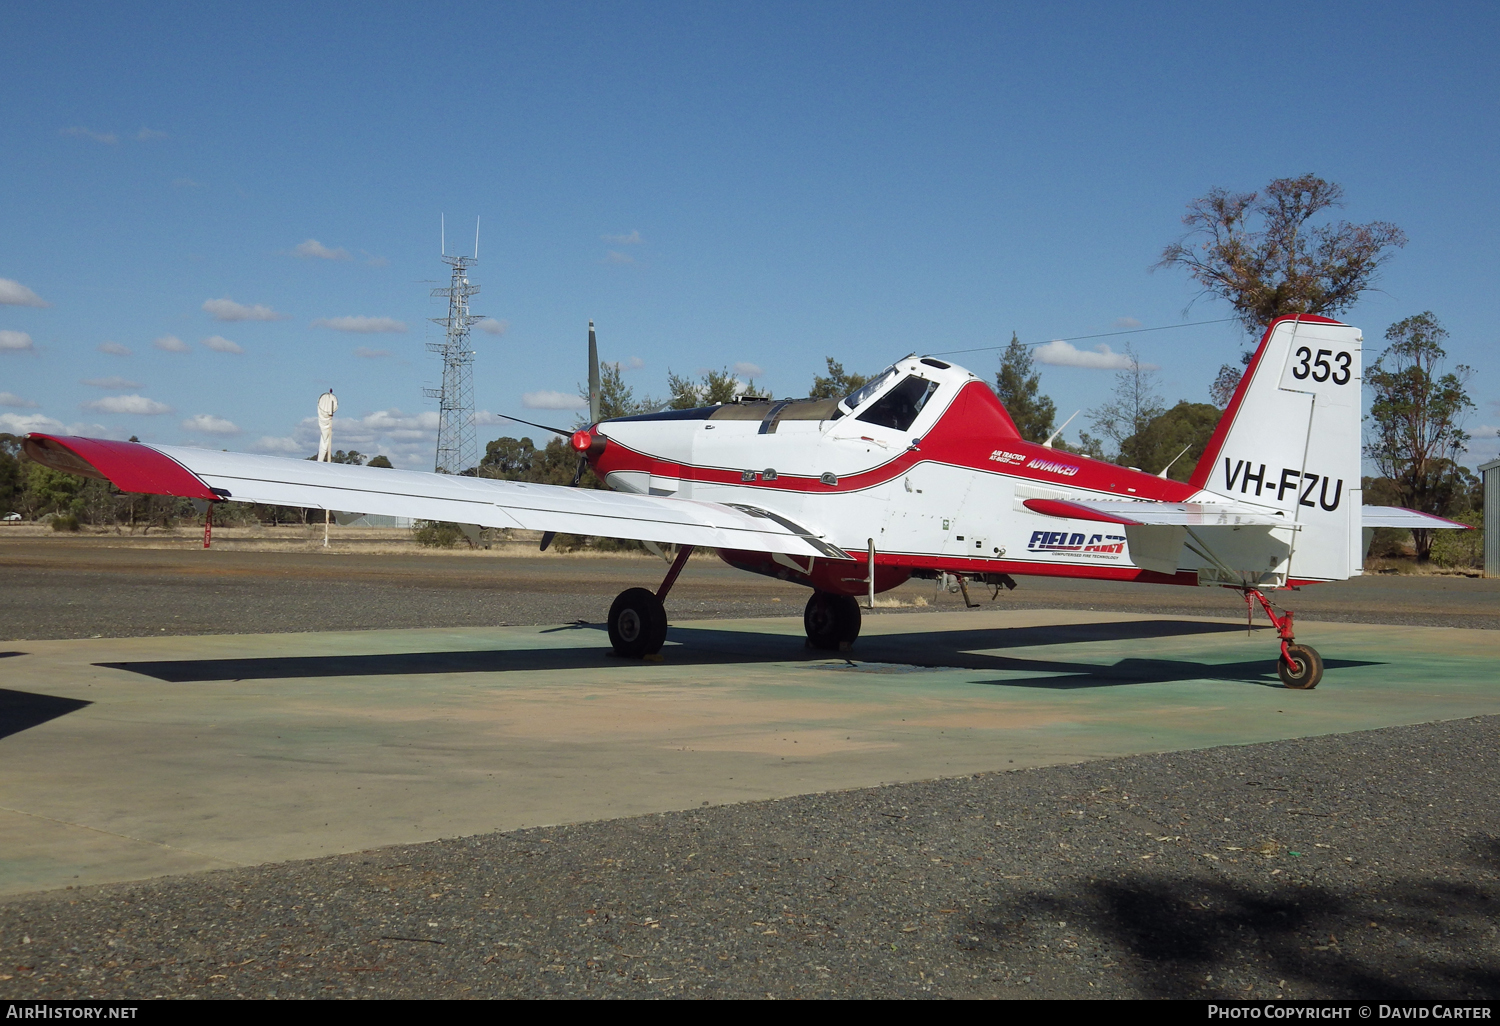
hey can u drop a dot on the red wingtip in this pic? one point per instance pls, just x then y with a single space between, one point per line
129 466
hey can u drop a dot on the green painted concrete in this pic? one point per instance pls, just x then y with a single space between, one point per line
129 758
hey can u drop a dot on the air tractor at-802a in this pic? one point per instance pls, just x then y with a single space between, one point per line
919 473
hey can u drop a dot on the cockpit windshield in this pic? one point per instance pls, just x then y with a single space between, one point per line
862 394
899 408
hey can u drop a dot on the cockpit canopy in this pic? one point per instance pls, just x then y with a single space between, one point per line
899 405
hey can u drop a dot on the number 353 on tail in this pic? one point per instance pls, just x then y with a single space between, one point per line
920 473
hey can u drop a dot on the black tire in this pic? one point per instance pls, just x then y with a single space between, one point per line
1306 671
637 623
832 621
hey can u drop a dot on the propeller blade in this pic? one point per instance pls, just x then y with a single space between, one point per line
593 377
565 432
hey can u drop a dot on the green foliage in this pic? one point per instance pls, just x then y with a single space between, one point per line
436 534
380 461
617 399
518 459
65 522
1262 255
1186 426
837 383
1018 385
1416 417
12 480
714 388
352 457
48 490
1461 550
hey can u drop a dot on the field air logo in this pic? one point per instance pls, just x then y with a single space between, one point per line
1300 481
1065 469
1076 543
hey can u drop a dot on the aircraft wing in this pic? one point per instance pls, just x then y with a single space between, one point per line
211 475
1397 516
1146 512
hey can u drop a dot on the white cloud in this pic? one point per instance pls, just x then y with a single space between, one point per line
220 344
114 382
147 134
548 400
280 446
85 133
749 370
136 404
611 257
490 326
11 399
409 440
15 340
1126 323
363 325
633 239
634 363
20 423
366 353
13 293
209 424
172 344
113 349
313 249
1058 353
227 309
1485 431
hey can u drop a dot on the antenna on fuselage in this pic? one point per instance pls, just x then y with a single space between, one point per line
1053 437
1168 467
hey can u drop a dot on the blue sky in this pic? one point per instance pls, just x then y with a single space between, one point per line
716 185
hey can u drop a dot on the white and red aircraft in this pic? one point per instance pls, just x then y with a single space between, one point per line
920 473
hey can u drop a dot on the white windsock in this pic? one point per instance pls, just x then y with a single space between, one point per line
327 407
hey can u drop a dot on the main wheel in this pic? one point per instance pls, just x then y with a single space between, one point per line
832 621
637 623
1305 670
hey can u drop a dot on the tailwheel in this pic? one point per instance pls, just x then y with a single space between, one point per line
832 621
637 624
1300 667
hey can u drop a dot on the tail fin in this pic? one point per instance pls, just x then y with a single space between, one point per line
1290 441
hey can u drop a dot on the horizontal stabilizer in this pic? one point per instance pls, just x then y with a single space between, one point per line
1165 514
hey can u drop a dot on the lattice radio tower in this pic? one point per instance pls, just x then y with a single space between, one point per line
457 443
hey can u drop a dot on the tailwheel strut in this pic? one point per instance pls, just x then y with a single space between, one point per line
1299 666
638 618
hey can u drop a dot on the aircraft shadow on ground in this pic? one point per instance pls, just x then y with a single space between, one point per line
1184 931
7 655
22 710
707 646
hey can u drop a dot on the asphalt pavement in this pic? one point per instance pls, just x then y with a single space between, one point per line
1356 865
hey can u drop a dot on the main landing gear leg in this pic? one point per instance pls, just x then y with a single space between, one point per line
638 620
1299 666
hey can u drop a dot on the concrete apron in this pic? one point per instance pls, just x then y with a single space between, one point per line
122 759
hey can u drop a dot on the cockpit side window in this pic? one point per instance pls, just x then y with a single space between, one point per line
899 407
